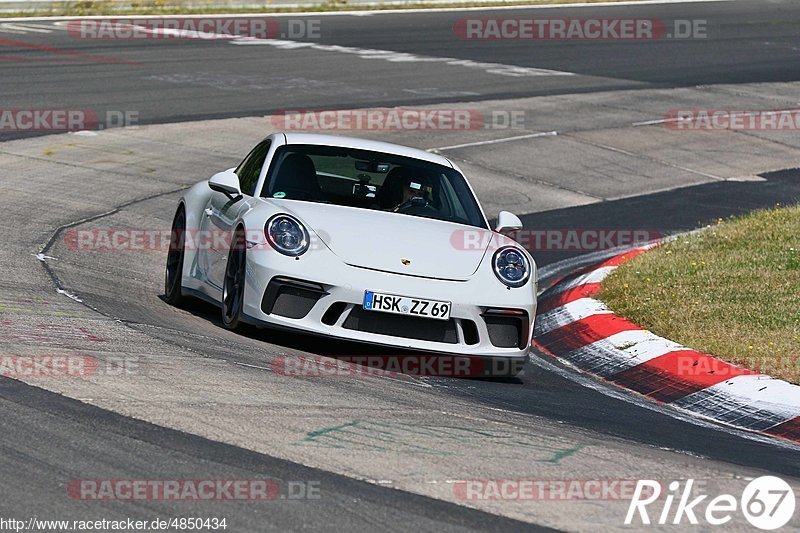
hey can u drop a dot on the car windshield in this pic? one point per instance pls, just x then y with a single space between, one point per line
371 180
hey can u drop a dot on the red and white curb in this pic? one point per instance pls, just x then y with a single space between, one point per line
573 326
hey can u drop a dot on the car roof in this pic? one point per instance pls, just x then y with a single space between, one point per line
364 144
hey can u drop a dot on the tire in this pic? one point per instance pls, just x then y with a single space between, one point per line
173 275
234 283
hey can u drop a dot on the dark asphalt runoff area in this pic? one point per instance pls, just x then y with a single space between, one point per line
170 80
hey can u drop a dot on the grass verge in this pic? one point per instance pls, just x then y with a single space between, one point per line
731 291
165 7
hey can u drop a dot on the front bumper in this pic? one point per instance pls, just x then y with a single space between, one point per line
322 295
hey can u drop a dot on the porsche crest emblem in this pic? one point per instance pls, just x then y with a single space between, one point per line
406 262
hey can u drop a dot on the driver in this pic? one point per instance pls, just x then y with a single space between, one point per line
415 193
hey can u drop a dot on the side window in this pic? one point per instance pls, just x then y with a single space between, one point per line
250 168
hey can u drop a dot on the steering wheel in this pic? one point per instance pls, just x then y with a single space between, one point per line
418 203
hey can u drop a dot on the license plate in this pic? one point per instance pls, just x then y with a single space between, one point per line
405 305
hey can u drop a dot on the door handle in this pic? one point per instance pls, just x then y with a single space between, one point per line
208 211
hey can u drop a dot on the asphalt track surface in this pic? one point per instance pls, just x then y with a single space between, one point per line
49 439
175 80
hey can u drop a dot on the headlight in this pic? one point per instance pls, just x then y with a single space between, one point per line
511 266
287 235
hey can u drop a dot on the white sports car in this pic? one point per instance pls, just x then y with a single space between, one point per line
358 240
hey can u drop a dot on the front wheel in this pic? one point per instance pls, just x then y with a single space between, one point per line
174 271
233 286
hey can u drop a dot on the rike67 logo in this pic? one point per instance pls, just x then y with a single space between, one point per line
767 502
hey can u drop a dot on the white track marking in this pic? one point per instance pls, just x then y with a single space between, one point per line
569 313
25 28
403 57
363 53
19 28
755 391
621 351
655 122
69 295
642 344
495 141
4 29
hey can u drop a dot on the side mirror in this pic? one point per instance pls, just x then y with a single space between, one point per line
226 182
507 222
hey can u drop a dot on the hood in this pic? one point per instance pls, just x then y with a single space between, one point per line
381 241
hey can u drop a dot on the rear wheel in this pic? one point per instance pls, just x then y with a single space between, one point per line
174 271
233 286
